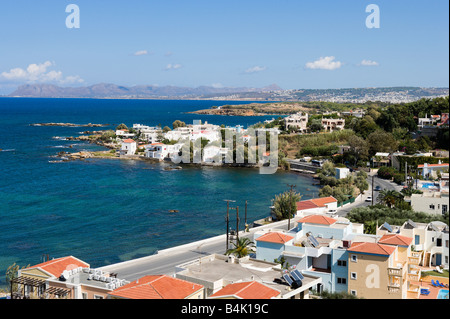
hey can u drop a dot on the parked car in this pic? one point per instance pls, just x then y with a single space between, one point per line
369 199
378 188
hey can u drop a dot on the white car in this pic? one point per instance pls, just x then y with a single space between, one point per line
369 199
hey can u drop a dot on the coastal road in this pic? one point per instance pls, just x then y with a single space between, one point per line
382 183
165 261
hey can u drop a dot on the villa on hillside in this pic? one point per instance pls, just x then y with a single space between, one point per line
338 252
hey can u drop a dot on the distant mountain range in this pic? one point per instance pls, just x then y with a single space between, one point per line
107 90
269 93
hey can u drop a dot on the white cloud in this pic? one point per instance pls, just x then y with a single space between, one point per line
168 53
255 69
369 63
217 85
324 63
141 52
173 66
39 73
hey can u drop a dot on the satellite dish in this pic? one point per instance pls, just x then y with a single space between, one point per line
64 276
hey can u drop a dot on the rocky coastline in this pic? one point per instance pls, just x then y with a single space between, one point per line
69 124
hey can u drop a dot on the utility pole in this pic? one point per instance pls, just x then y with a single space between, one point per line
237 225
228 218
245 213
373 177
406 173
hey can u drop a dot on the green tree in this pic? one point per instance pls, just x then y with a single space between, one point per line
178 124
121 127
285 205
390 198
381 141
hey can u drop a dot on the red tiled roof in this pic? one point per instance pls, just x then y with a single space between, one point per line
305 204
56 267
372 248
395 239
318 219
157 287
323 200
274 237
129 141
433 165
247 290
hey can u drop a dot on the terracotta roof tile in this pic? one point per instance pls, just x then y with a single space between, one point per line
157 287
274 237
305 204
323 200
372 248
433 165
129 141
318 219
247 290
395 239
56 267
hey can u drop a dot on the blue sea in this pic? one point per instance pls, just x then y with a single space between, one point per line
105 211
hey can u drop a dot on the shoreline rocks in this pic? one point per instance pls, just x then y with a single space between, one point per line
69 124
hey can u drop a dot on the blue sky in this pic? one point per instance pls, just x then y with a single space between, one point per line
293 43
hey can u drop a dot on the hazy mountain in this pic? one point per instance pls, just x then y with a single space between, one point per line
107 90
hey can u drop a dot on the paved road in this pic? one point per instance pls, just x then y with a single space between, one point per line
384 184
165 261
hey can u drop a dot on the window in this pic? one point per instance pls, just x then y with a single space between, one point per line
342 263
98 297
354 258
432 206
342 280
84 295
353 292
417 240
444 209
353 275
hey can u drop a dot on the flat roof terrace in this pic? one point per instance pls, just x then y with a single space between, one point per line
216 268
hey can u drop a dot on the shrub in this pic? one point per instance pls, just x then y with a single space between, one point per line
386 172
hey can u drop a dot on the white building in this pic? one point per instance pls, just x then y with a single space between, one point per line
148 133
433 203
124 133
162 151
431 170
342 172
431 241
214 154
128 147
297 122
331 125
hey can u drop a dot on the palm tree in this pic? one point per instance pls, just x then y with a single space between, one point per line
241 247
389 197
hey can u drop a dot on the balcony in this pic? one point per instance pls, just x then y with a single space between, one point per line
393 289
415 258
395 272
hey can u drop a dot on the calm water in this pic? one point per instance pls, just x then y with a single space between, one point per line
107 211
